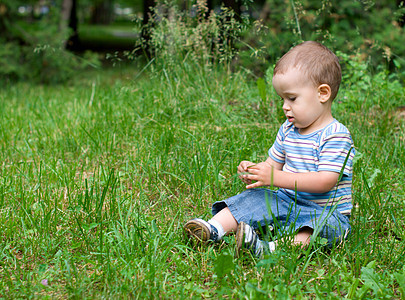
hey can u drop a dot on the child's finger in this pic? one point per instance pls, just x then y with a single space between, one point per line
253 185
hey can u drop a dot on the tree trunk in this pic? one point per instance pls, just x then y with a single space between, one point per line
103 12
69 20
210 6
147 10
65 14
148 6
265 12
4 16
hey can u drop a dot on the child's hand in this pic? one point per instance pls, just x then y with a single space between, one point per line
261 173
243 168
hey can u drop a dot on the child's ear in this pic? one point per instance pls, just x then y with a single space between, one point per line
324 92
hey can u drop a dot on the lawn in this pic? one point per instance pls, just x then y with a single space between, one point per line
108 37
98 177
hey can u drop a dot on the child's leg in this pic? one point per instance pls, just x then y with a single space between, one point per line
303 237
226 219
228 213
213 230
247 238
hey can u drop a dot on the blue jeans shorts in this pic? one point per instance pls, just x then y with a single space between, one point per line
264 207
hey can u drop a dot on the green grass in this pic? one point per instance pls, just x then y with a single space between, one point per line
111 36
99 176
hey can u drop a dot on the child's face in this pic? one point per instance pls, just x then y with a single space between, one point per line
304 104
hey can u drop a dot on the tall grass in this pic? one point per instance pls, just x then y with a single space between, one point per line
98 178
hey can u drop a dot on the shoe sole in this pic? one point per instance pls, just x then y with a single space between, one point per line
240 239
198 231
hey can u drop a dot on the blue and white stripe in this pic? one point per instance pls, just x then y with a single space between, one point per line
323 150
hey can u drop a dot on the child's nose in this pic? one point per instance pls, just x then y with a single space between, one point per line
286 106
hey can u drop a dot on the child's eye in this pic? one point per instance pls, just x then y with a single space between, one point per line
292 98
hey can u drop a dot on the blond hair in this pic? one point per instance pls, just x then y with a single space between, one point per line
319 63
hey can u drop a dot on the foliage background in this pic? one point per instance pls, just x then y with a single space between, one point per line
99 174
34 45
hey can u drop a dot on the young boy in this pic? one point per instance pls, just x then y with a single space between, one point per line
310 161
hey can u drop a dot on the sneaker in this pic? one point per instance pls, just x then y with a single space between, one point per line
247 238
201 231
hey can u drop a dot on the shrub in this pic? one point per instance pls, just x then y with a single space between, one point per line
35 49
368 28
204 38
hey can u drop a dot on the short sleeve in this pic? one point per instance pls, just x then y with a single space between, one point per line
337 151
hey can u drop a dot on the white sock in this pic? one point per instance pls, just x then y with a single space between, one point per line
272 247
218 227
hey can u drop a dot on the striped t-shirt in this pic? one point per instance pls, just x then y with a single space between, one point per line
328 149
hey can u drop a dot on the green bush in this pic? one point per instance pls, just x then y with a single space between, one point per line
206 39
35 50
10 54
42 63
366 28
366 31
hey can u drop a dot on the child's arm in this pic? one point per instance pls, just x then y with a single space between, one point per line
266 174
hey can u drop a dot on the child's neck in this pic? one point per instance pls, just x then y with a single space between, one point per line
319 124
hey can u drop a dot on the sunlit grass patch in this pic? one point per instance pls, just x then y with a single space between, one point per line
98 179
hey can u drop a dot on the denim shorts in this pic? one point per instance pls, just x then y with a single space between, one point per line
264 207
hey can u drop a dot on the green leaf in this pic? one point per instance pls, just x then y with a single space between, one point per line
359 155
400 278
224 265
371 279
373 177
397 63
261 85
